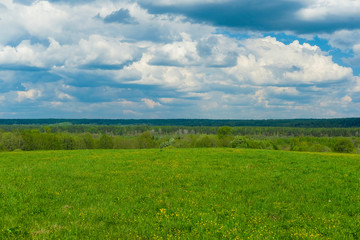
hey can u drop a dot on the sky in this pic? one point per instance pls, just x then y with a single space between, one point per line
214 59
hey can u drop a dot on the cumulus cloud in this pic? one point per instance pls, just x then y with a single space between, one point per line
174 59
96 52
31 94
150 103
270 62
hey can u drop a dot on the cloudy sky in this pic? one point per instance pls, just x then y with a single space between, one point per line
222 59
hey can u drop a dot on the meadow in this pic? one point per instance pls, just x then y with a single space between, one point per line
198 193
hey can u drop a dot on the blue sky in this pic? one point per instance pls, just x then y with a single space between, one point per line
218 59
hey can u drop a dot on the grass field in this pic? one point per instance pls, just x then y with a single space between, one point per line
179 194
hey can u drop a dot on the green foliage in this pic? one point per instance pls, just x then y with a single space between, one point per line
179 194
168 143
106 142
47 129
145 140
125 142
246 142
46 138
11 141
224 132
240 142
187 141
88 140
205 141
67 142
310 144
344 145
319 148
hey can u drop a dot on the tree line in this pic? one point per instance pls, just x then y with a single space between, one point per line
302 123
30 138
133 130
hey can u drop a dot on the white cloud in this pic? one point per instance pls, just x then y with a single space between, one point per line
177 53
101 50
131 112
43 18
272 62
167 100
347 41
182 2
31 94
95 51
23 54
343 39
322 9
64 96
260 97
150 103
347 99
163 60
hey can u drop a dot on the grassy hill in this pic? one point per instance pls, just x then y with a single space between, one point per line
179 194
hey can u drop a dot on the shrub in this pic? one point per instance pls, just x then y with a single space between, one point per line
205 141
106 142
168 143
344 145
319 148
240 142
187 141
245 142
145 140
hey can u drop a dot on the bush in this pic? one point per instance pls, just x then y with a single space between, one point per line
106 142
240 142
168 143
245 142
319 148
187 141
205 141
145 140
344 145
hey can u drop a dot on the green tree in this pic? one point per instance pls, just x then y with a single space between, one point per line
224 131
344 145
47 129
88 141
11 141
145 140
225 136
67 142
106 142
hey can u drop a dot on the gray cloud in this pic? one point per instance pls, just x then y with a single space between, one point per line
258 15
120 16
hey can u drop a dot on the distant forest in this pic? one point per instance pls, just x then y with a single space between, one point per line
293 123
312 135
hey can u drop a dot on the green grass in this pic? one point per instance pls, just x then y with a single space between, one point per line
179 194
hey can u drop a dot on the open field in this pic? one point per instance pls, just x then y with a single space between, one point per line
179 194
